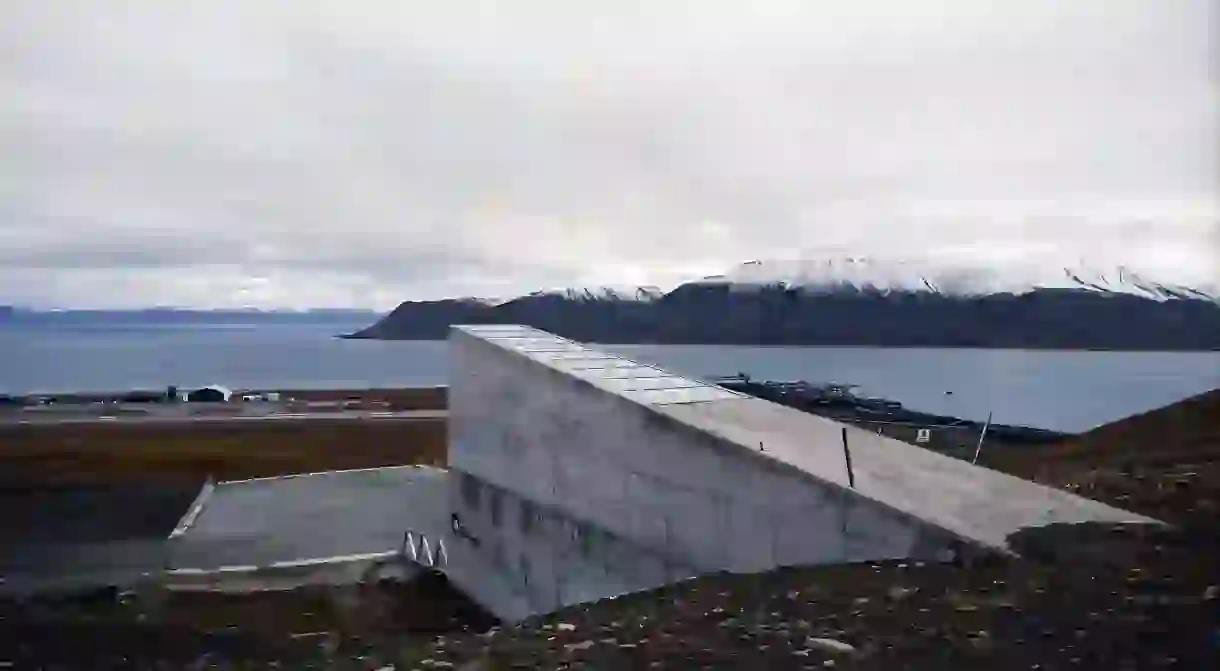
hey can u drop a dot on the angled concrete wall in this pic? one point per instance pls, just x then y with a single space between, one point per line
519 558
689 476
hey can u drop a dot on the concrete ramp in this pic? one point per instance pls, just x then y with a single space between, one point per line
553 442
300 522
334 527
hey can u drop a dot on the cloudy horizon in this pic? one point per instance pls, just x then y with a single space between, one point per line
310 154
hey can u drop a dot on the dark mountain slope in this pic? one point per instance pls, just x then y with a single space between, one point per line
709 313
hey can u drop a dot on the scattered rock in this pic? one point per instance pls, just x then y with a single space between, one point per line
829 644
897 593
583 645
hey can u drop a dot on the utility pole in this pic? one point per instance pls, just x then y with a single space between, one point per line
851 476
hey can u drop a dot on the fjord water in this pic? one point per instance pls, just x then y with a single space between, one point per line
1061 390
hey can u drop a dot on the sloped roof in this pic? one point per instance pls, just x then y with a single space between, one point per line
214 387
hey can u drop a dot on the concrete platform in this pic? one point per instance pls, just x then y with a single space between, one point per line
299 518
332 527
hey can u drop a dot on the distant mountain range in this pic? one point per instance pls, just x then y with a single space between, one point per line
154 316
857 302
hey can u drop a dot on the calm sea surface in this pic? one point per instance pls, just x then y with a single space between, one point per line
1069 391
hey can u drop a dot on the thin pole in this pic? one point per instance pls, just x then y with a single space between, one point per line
775 541
983 434
851 476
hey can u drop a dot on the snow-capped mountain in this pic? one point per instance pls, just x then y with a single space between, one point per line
605 293
860 302
830 275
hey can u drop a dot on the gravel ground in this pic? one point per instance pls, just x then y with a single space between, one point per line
360 626
89 514
1144 601
1105 597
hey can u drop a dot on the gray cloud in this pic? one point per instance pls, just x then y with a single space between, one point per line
213 153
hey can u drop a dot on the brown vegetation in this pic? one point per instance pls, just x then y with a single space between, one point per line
1189 428
421 398
413 398
90 453
1164 463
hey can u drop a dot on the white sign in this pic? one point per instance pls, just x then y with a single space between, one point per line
923 436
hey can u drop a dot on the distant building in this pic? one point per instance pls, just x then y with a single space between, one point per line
210 394
143 397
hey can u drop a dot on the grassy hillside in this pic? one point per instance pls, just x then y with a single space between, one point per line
1164 463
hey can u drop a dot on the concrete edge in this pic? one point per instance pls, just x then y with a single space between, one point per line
192 513
339 471
596 349
293 563
843 490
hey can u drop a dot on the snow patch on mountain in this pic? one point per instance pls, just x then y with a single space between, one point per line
838 274
603 293
953 278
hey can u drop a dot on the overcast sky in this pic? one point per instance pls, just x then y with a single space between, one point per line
353 152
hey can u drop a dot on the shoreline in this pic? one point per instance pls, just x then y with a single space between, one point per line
383 403
755 345
320 393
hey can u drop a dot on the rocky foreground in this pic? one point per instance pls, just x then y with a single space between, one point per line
1082 597
1097 598
1141 613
